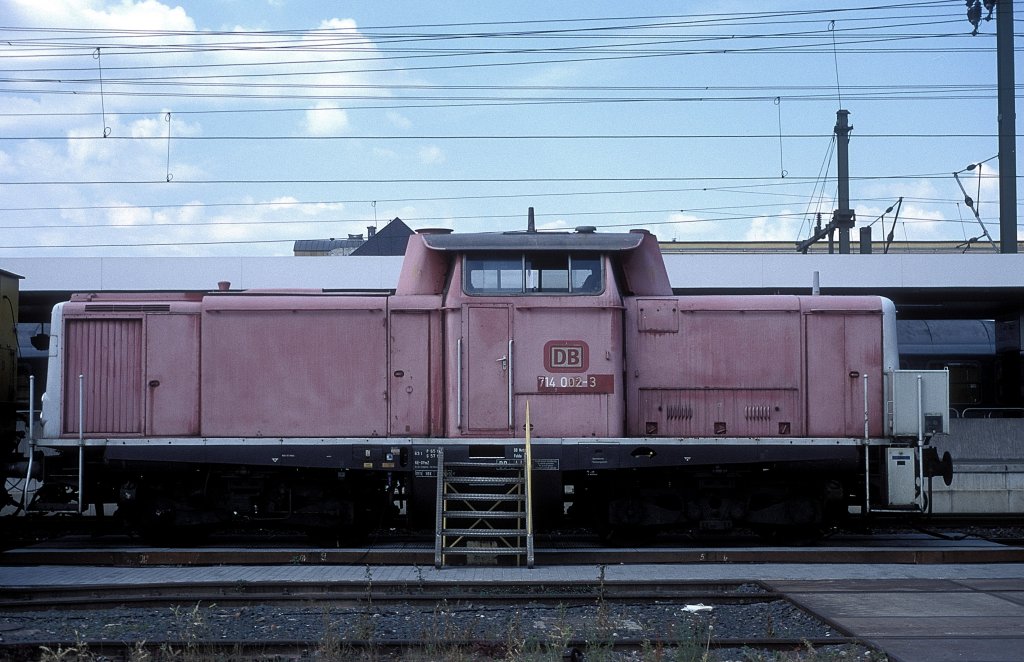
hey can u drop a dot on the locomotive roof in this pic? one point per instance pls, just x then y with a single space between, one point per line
536 241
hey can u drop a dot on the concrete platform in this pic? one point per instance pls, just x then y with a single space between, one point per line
928 620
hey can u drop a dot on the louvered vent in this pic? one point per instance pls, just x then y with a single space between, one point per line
127 308
108 353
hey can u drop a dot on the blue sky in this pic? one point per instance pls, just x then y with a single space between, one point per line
236 127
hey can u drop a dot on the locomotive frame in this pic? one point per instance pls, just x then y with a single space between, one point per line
326 410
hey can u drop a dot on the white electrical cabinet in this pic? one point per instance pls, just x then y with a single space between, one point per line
901 470
918 403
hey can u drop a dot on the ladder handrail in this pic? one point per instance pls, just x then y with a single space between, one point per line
528 469
463 506
440 524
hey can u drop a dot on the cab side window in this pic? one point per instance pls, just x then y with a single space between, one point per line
533 273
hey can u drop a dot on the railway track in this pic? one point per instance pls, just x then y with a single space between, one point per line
288 601
484 620
571 650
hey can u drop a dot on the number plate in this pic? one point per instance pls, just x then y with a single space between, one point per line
575 383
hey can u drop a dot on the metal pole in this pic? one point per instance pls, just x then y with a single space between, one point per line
843 215
1007 129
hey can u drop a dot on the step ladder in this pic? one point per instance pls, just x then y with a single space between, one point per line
483 511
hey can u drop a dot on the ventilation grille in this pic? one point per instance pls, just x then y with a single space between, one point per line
127 308
108 354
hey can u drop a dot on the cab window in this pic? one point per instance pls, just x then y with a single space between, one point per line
533 273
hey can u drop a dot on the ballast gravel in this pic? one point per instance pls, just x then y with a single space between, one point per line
527 626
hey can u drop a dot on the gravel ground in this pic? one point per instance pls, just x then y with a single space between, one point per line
515 630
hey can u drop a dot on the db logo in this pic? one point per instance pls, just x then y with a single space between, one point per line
566 356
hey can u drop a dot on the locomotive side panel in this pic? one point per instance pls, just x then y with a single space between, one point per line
487 369
131 364
172 375
414 370
103 375
844 356
711 366
294 366
569 367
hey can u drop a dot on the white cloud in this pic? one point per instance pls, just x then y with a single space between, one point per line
326 120
683 227
775 228
431 155
129 216
79 14
398 120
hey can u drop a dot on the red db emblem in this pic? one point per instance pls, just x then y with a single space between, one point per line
566 356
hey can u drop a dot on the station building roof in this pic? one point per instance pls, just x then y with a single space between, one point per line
923 283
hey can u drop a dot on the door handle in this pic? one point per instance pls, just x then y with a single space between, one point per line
504 362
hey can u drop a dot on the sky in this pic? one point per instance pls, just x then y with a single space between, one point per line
235 127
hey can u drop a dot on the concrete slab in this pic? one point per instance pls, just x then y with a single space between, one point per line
881 629
871 585
951 649
1013 596
977 620
1000 584
894 607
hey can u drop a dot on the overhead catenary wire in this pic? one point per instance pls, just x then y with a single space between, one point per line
222 70
449 180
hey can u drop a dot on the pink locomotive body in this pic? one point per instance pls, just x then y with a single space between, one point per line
324 407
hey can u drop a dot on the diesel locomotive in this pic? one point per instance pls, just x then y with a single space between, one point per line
328 410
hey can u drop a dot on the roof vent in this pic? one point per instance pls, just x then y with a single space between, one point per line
586 229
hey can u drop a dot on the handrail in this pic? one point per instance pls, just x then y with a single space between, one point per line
920 444
866 417
989 411
458 383
81 441
440 523
511 384
31 439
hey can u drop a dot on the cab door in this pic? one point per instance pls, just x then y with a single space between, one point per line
842 347
172 375
487 374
